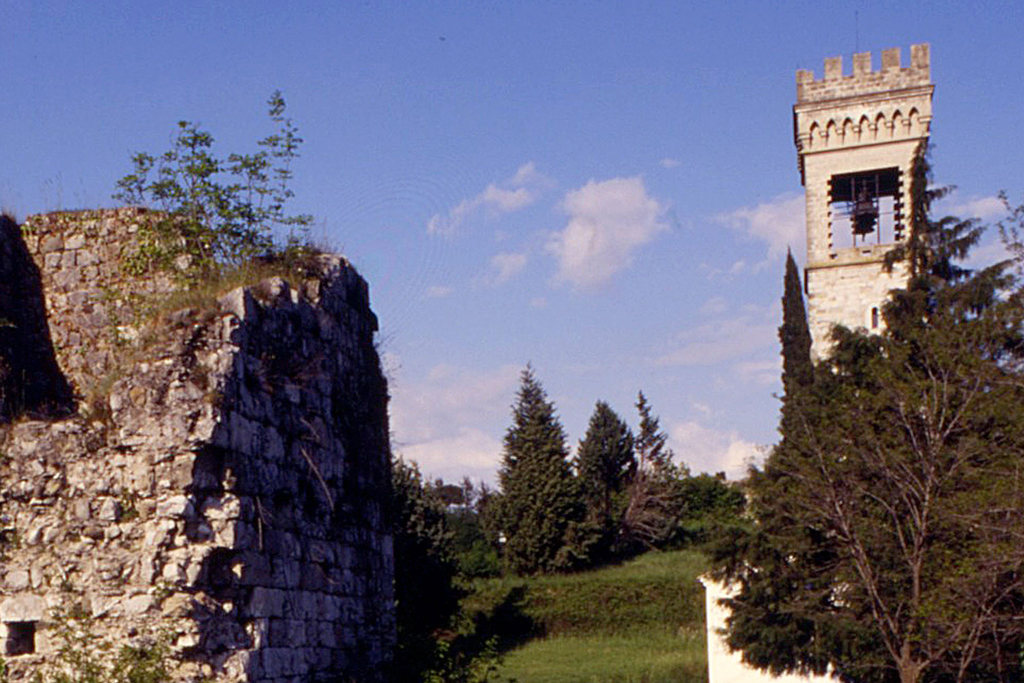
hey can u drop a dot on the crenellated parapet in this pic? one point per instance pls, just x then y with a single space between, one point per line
866 107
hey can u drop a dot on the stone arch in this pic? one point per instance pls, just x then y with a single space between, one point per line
914 122
831 134
897 124
865 128
880 126
815 138
849 131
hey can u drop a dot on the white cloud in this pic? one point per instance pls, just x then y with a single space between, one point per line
704 449
669 162
780 222
720 340
440 420
505 266
608 221
985 208
760 372
513 194
714 306
437 292
468 452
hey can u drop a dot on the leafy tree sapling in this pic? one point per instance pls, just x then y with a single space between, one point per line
216 211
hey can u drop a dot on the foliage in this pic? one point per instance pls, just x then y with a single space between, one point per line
707 503
84 657
605 465
216 210
475 555
426 596
794 334
888 542
652 510
455 665
539 510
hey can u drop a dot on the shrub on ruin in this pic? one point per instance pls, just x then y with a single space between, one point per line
216 210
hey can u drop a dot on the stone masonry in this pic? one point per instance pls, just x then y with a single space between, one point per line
227 486
852 126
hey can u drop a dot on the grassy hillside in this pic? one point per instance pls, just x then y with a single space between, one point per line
642 621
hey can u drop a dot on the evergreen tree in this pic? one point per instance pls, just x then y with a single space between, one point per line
653 455
540 503
605 464
797 369
653 509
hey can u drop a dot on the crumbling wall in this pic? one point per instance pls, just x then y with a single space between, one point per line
30 380
229 490
92 296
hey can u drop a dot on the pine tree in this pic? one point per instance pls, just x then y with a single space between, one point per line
604 464
540 501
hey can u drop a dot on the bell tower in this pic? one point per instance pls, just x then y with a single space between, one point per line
856 137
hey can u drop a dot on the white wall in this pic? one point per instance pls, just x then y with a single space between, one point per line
728 667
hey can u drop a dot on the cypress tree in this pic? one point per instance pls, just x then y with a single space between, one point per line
540 499
797 369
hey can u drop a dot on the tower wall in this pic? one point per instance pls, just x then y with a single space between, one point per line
869 124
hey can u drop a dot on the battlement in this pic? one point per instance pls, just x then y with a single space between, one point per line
864 81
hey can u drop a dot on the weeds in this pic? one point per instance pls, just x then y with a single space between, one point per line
84 657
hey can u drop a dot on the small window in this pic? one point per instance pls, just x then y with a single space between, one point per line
21 638
874 318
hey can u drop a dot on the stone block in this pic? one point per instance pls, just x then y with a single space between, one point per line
175 507
16 580
287 572
110 510
277 662
51 243
312 577
138 605
266 602
23 608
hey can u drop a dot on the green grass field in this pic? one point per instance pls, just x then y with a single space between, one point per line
640 622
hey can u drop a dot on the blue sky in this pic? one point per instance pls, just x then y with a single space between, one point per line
605 190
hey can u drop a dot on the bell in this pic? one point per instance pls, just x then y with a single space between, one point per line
865 214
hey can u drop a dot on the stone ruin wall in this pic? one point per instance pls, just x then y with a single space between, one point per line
228 486
92 301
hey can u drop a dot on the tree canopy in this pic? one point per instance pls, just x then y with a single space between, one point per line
887 541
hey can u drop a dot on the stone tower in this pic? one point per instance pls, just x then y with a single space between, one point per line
856 138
